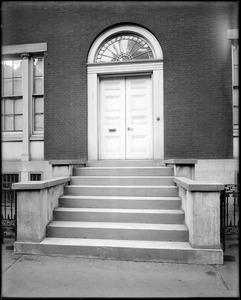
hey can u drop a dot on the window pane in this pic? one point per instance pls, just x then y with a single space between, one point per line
2 106
8 106
135 48
124 48
38 85
235 96
235 76
38 105
107 56
18 106
7 69
17 68
3 121
7 87
18 120
38 67
113 49
9 123
235 115
130 45
142 54
17 86
39 122
235 56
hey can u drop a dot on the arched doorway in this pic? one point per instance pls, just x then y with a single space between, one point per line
125 95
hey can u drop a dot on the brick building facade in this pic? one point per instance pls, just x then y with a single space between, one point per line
197 84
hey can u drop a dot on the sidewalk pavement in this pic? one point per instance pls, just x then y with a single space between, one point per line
62 276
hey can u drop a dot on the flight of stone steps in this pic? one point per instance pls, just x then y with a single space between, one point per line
125 210
122 210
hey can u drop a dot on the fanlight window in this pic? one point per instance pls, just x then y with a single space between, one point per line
124 48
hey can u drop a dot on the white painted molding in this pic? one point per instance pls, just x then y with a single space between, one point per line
94 74
24 48
134 66
152 67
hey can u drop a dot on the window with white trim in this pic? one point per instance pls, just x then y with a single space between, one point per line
38 95
12 97
233 36
124 47
235 67
13 82
235 71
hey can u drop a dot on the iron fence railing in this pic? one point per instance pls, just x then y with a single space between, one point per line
9 206
229 212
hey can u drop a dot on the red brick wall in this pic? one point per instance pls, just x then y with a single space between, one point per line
197 68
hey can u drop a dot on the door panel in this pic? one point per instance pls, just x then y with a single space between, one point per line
138 118
126 118
112 120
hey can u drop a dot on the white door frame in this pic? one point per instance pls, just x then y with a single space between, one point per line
153 67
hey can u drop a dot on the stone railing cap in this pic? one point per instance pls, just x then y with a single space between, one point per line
68 162
192 185
39 185
181 161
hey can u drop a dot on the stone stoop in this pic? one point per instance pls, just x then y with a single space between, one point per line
124 210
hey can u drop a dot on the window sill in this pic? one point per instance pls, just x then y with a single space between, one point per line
37 137
12 136
18 137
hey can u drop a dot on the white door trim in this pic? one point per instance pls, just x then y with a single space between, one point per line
153 67
94 71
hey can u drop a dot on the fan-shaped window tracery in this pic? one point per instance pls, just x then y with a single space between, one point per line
124 47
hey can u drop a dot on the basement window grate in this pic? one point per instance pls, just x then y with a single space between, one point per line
35 177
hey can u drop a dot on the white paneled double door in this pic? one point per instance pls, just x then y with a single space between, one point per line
126 128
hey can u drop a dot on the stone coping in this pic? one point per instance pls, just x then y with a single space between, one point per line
39 185
181 161
202 186
68 162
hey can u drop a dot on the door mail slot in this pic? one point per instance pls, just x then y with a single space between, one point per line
112 130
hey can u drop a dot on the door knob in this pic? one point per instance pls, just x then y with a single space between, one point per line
129 129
